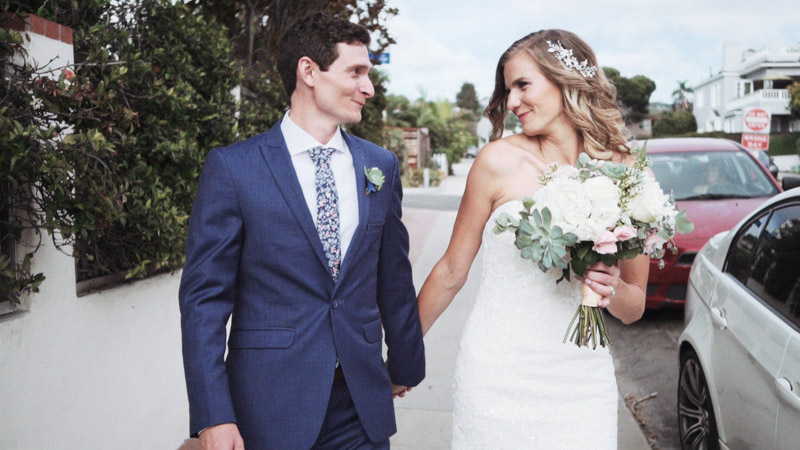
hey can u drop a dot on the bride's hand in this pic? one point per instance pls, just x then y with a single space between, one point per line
604 280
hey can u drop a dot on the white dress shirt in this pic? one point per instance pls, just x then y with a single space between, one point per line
299 143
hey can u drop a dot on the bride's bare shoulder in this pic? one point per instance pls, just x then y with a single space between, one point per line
502 155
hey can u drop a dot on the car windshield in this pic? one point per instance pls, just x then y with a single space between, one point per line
710 175
763 157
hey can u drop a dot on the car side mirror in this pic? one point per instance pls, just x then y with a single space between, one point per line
790 182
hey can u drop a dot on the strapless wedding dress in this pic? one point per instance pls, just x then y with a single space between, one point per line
517 386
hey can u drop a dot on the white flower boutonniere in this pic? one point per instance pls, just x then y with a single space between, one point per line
375 179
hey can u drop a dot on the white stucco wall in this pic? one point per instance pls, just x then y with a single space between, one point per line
100 371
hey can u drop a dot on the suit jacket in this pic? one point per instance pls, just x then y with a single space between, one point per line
254 255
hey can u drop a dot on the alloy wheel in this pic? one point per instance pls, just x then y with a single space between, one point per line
697 425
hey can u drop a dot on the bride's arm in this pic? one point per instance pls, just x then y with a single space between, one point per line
450 273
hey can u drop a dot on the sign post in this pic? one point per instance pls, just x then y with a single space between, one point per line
755 129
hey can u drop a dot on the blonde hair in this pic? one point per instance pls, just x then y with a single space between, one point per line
588 103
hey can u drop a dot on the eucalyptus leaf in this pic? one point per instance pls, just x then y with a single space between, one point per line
682 223
528 203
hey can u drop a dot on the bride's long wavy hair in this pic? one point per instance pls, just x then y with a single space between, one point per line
588 103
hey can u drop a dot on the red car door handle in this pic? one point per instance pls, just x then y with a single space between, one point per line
787 392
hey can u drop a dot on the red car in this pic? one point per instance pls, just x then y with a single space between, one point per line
717 182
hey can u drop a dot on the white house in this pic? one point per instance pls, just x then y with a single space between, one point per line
749 79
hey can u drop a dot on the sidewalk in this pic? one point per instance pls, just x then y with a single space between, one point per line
424 415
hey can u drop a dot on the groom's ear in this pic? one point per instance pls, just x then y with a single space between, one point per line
307 71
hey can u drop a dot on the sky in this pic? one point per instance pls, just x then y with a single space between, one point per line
443 43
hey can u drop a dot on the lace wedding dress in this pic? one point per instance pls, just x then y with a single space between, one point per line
517 386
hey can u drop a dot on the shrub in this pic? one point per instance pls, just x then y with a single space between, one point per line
414 177
674 123
150 97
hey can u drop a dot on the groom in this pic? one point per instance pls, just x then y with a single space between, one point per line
308 257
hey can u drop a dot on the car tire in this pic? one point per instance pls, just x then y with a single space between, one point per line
696 421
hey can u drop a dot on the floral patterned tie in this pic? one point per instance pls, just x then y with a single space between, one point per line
327 208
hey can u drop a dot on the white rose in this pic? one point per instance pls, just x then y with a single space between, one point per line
647 205
604 196
568 205
565 171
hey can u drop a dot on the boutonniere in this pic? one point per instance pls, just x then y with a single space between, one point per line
375 179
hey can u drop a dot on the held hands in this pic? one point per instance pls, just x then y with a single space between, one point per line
399 391
224 436
604 280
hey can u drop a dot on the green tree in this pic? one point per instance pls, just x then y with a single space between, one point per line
400 112
449 132
794 100
255 27
467 99
633 94
681 102
512 123
674 123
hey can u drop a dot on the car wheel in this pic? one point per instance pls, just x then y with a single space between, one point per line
696 421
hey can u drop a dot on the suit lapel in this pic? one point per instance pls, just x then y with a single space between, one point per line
360 161
279 162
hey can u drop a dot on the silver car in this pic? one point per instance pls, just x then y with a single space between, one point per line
739 381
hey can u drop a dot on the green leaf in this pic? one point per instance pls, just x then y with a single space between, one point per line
682 224
527 227
528 203
579 267
537 217
546 217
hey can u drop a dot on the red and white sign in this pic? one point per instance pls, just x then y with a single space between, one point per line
756 120
755 141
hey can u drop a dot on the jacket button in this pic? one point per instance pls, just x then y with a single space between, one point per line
335 304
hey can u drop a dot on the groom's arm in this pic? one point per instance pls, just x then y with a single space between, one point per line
396 296
207 294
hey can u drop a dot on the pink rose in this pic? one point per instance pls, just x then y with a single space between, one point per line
606 243
652 243
625 232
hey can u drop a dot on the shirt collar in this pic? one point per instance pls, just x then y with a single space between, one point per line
299 141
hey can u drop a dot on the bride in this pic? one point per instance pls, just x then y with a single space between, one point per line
516 384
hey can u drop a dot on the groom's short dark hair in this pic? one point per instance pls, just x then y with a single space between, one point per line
315 36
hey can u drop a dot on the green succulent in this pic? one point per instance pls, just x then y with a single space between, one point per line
536 238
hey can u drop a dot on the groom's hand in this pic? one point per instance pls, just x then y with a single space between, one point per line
224 436
399 391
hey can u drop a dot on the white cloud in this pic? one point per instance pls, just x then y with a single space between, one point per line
442 44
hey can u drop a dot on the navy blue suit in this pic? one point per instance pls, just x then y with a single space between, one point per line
253 254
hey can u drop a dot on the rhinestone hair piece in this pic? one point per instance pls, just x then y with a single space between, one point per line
565 56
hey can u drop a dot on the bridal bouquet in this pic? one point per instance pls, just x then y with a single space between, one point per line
597 211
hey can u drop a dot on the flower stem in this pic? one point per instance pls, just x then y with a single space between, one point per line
591 326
